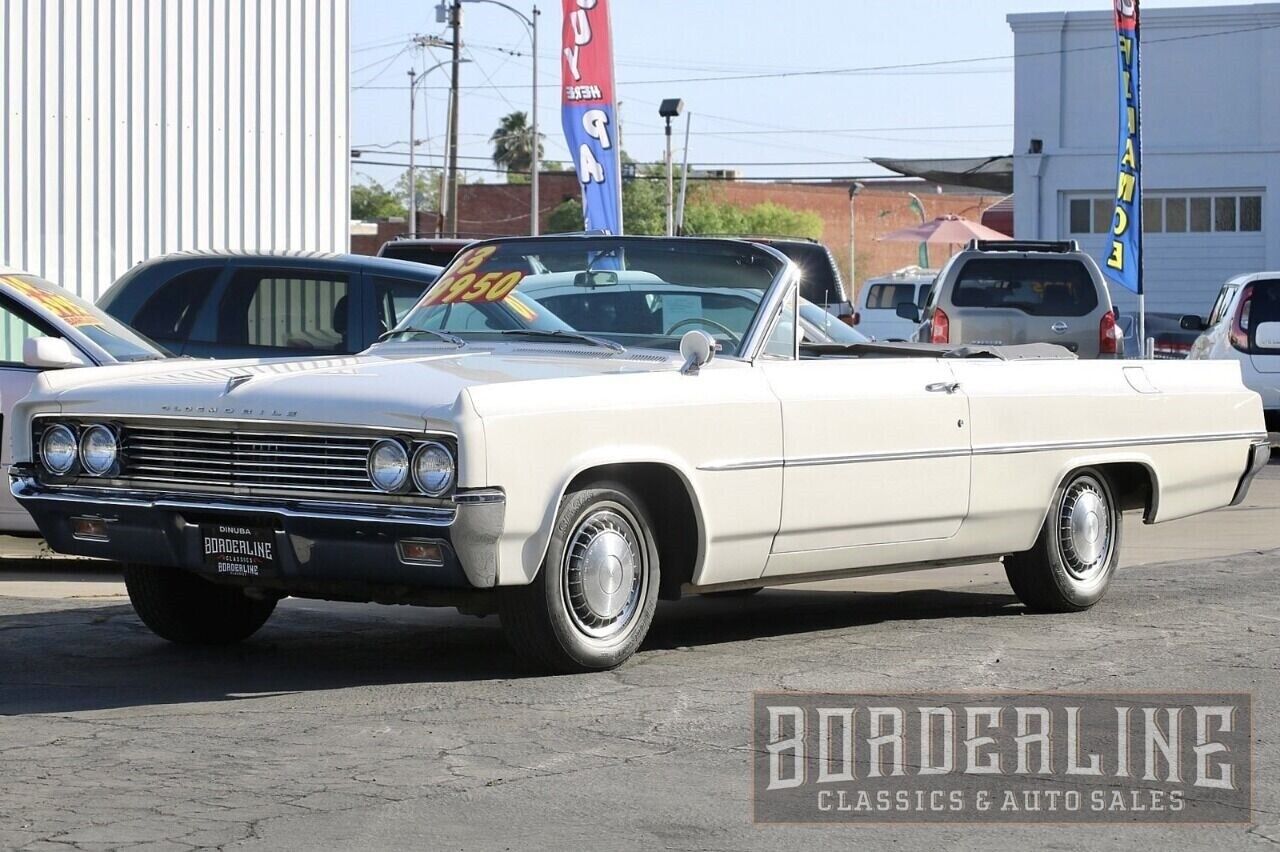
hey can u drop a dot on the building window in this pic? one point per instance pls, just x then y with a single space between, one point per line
1172 214
1224 213
1251 212
1200 218
1081 218
1153 215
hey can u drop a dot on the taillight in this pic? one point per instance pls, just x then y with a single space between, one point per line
1239 337
939 327
1109 335
857 318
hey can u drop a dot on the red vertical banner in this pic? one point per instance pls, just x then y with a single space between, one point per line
589 113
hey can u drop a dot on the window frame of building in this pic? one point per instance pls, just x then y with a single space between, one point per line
1201 212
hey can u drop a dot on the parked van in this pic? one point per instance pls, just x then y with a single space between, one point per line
877 312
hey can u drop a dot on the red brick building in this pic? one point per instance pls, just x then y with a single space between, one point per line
880 207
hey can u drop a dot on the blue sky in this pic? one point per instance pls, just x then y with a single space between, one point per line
768 127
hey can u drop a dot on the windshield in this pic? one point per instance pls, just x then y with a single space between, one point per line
118 340
629 291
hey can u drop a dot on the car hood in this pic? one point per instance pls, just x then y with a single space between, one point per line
391 385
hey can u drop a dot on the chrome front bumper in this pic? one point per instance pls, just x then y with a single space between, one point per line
1259 455
317 540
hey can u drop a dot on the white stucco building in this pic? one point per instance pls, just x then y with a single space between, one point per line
1211 140
132 128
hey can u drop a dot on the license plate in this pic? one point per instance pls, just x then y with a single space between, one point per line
237 551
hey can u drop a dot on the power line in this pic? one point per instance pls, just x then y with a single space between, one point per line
867 69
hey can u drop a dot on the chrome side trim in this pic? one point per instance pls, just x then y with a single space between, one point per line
989 450
1108 444
27 490
757 464
906 455
1259 456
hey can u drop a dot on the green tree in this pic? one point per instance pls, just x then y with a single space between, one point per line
644 211
513 144
428 190
371 200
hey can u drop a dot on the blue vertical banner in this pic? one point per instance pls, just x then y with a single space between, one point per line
589 112
1124 257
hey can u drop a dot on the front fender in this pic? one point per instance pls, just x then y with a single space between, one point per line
532 505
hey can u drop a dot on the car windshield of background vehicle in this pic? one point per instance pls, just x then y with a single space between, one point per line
117 339
634 292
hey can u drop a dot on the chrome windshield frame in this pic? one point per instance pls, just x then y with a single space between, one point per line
761 326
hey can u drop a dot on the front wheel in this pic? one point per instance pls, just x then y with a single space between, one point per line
593 600
1073 560
184 608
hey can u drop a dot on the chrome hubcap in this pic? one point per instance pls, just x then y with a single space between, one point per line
1085 530
604 573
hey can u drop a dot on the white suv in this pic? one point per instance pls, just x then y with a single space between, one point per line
1244 326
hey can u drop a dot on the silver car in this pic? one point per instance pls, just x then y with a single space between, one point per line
1008 292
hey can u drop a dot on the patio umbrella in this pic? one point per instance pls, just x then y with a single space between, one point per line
945 229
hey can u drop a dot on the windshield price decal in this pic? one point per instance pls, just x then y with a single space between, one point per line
464 281
470 287
60 306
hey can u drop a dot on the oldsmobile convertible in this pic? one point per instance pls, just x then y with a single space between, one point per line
566 429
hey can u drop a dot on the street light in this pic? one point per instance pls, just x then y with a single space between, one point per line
669 109
414 80
531 23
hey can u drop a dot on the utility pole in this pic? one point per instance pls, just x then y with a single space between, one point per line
670 108
413 145
455 21
535 164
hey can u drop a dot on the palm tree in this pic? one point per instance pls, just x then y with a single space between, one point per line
513 143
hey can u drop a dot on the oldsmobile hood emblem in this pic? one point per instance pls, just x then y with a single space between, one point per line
235 382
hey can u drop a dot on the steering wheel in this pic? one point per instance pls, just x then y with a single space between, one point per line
737 341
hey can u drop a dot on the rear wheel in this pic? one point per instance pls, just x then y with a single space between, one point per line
593 600
1075 556
184 608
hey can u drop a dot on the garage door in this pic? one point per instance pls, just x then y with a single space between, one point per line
1192 243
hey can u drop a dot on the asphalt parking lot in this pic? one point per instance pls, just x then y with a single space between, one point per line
344 726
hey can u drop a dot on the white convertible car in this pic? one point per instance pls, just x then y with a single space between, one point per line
661 426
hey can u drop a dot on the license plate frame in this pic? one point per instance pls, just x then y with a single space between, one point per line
233 549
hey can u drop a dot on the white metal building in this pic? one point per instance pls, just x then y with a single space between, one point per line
131 128
1211 141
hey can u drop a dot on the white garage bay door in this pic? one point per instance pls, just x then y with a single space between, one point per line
1192 243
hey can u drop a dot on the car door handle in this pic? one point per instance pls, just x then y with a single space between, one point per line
942 387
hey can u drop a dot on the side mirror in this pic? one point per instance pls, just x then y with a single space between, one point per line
594 279
51 353
1267 335
908 311
1191 322
697 348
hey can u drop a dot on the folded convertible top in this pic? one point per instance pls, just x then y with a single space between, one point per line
1018 352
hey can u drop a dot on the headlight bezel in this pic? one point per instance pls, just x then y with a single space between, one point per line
83 450
69 469
419 453
406 476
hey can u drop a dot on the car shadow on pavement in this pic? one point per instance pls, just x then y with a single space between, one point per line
698 621
74 657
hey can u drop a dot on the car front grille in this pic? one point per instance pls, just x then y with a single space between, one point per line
311 461
245 458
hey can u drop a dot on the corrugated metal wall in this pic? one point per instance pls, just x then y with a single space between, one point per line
131 128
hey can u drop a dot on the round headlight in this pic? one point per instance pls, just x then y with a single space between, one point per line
98 450
389 465
433 469
58 449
